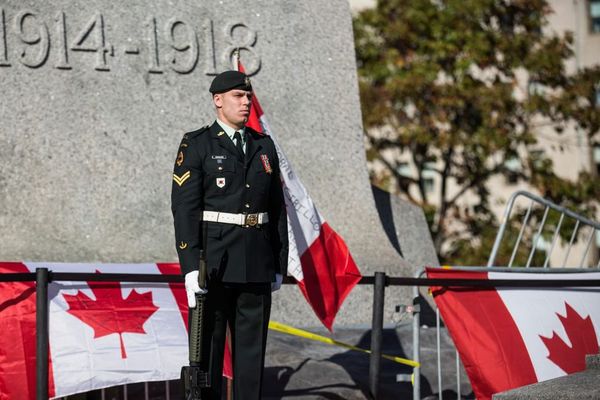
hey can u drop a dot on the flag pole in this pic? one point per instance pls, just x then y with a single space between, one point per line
236 59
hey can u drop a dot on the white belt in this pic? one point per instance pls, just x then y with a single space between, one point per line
236 219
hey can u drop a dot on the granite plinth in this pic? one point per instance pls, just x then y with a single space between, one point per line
97 95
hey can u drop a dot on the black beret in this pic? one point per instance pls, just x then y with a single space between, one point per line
230 80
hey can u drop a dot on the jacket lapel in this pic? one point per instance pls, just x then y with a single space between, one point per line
252 146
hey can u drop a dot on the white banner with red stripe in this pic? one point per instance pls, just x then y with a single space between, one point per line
318 258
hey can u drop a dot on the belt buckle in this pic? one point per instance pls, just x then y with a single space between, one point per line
251 219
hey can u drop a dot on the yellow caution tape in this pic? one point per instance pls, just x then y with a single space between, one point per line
290 330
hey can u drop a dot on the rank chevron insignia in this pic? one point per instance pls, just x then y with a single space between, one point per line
181 179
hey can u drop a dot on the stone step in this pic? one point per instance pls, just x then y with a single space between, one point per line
582 385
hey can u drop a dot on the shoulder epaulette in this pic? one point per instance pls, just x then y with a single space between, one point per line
195 133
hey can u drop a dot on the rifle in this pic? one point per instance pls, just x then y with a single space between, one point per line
193 378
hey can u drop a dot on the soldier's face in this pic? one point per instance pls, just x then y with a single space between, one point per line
233 107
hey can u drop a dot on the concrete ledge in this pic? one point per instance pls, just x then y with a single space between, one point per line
581 386
592 361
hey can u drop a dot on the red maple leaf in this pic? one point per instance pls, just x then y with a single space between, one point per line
582 336
110 312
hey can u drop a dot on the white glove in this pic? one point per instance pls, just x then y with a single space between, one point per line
192 287
277 284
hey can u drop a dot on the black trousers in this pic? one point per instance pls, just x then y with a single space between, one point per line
246 307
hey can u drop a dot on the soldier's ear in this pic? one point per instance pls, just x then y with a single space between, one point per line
218 100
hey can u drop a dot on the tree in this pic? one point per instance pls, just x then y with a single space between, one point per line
461 86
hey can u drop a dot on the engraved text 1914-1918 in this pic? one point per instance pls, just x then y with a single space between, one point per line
174 44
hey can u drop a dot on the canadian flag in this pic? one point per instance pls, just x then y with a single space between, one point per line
511 337
102 334
318 258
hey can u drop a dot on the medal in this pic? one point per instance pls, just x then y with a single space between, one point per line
266 164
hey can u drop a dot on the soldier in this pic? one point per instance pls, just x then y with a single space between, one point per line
227 177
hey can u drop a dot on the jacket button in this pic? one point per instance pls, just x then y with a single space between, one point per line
220 168
247 205
248 186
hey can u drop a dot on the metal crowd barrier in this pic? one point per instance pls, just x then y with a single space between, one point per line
565 215
43 276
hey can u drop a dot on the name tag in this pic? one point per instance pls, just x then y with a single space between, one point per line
218 157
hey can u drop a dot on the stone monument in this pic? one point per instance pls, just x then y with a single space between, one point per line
97 95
